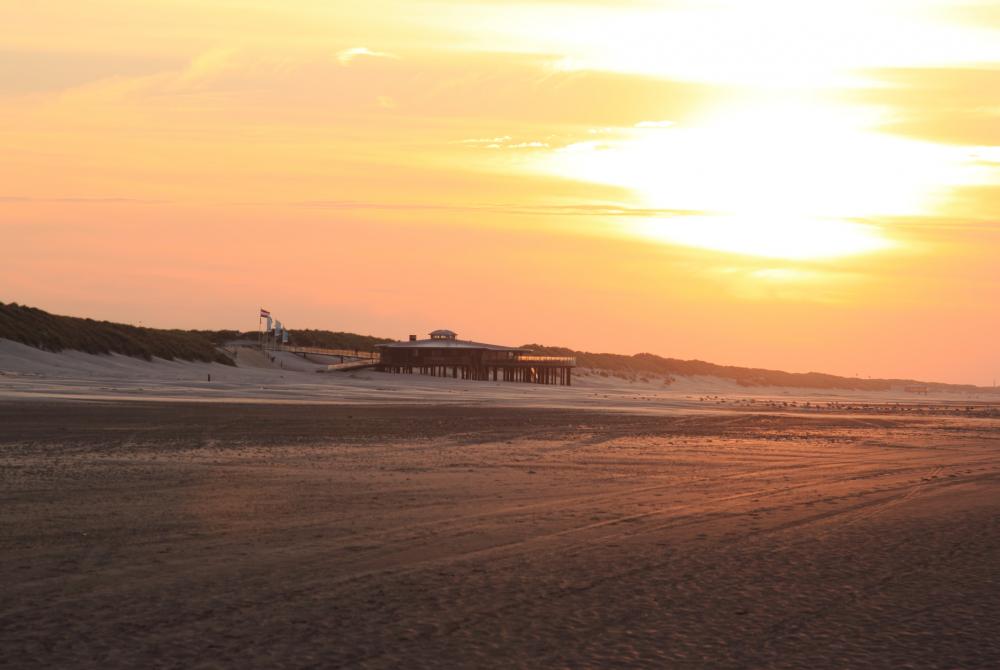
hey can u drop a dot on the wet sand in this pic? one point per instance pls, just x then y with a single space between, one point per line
139 534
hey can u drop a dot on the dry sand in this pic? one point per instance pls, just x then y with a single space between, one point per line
209 534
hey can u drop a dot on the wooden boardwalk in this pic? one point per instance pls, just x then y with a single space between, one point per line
320 351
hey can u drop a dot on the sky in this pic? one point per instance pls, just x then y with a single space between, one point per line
807 186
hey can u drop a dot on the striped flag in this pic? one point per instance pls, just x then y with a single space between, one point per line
264 313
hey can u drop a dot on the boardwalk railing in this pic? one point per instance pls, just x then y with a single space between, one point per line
320 351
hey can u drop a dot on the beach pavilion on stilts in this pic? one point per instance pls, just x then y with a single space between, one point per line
444 355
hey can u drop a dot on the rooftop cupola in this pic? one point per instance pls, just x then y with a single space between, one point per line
443 335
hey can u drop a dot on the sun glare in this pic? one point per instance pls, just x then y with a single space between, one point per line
779 237
796 172
782 180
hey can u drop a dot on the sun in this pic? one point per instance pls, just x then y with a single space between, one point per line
777 179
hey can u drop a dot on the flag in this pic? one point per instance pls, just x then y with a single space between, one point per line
264 313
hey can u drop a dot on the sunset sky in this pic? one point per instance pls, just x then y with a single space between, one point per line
788 184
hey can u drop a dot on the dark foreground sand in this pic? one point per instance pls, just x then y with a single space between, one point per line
210 535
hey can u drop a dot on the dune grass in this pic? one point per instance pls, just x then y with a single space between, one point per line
336 340
641 365
39 329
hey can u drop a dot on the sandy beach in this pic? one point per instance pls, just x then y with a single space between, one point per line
178 534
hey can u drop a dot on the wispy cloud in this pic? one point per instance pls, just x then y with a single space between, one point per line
348 56
654 124
503 142
486 140
208 65
581 209
79 200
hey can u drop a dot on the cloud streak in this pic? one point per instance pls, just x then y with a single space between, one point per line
348 56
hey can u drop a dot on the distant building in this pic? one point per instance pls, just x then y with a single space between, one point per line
444 355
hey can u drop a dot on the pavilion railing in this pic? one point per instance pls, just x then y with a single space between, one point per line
564 360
